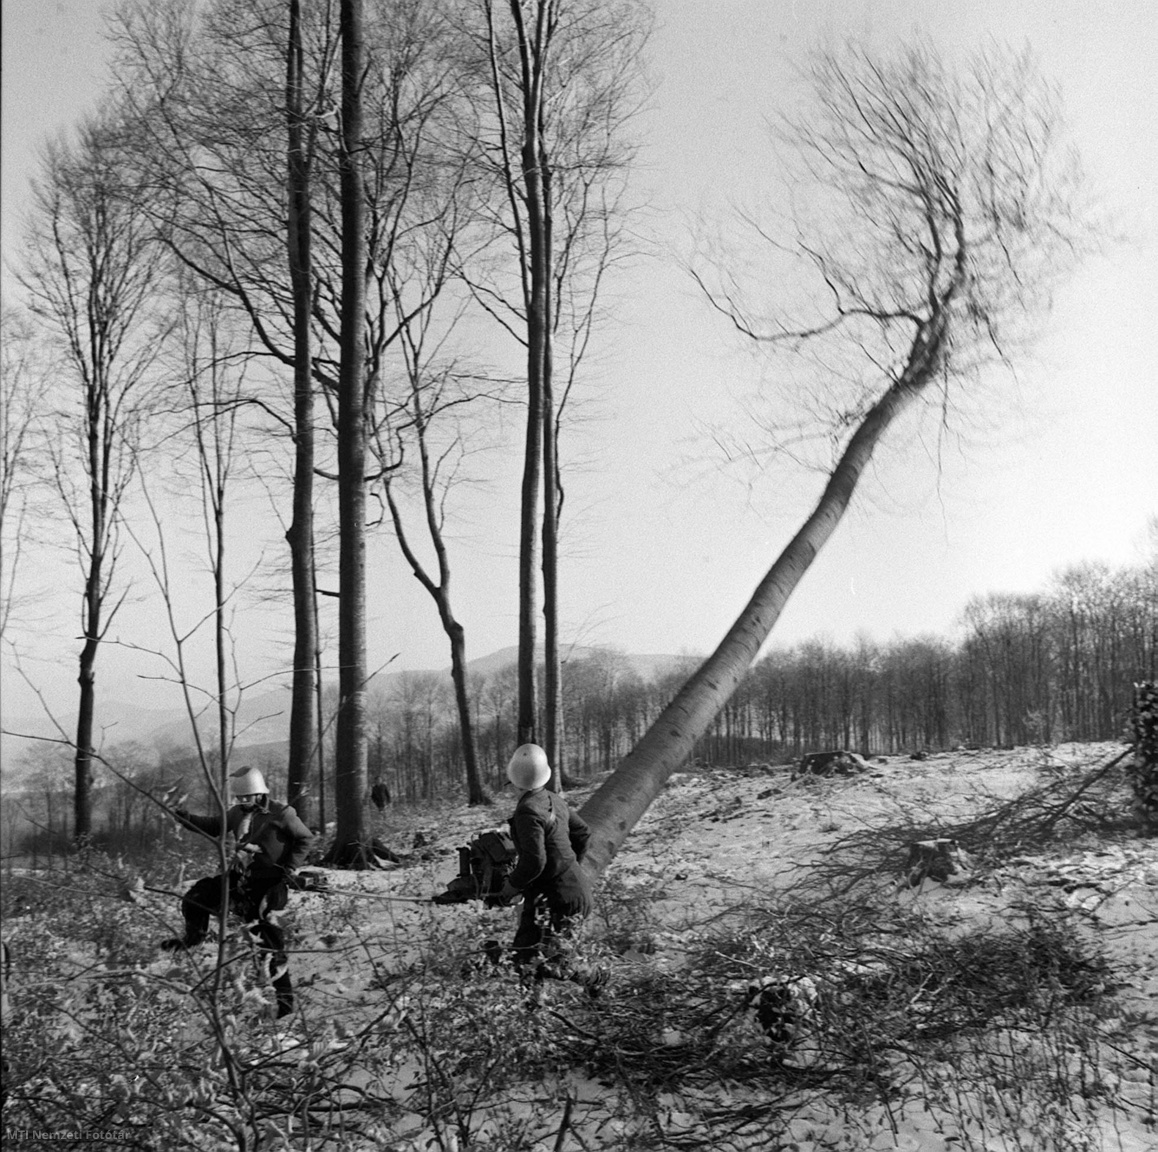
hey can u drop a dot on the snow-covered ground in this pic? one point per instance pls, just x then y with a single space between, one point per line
714 846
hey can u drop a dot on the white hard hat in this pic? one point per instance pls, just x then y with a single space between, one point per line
247 782
528 767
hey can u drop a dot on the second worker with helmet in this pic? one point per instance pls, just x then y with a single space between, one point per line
551 838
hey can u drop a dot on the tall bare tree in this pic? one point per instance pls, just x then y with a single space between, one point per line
400 188
215 87
211 400
946 211
561 82
435 397
301 146
352 837
234 104
90 270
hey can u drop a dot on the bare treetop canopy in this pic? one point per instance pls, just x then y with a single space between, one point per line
917 190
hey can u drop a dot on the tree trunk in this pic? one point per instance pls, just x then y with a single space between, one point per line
96 432
533 65
82 798
220 630
474 788
528 536
552 687
455 633
320 746
616 807
352 846
303 733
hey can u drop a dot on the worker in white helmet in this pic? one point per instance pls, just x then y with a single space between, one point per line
551 838
270 843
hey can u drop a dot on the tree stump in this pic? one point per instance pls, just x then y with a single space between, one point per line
784 1006
942 860
1144 767
837 763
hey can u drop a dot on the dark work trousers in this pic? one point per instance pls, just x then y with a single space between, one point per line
548 921
253 898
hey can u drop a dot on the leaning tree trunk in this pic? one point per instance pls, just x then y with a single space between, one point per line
615 808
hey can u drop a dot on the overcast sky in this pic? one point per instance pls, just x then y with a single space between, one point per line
664 545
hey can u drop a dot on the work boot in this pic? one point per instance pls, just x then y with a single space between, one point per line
177 944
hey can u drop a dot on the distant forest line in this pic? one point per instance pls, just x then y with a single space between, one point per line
1036 668
1029 668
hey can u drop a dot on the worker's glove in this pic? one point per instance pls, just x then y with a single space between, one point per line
242 858
508 894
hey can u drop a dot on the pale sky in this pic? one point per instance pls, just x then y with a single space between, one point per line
664 547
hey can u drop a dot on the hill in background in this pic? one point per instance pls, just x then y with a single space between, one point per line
262 716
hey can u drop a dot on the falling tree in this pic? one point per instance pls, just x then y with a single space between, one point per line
947 212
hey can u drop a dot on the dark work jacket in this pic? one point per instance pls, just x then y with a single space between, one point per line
551 838
281 839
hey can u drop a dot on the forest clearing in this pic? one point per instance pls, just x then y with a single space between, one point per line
1011 1007
349 337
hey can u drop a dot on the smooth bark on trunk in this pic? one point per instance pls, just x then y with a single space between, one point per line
352 840
536 189
529 534
303 734
544 223
96 408
552 687
616 807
